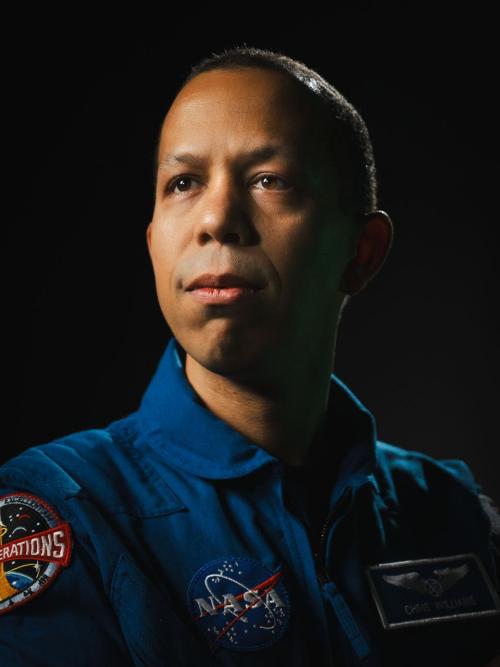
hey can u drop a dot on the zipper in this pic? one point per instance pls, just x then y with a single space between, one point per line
335 598
320 555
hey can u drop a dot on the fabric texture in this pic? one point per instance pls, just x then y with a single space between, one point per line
168 538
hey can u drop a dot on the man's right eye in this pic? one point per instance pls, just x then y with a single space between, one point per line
178 181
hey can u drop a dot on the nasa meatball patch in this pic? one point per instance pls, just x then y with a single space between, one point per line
239 603
34 545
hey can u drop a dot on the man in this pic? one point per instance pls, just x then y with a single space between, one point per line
246 513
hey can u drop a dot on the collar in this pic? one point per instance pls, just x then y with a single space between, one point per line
178 426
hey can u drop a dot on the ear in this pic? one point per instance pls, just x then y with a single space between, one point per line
374 243
148 236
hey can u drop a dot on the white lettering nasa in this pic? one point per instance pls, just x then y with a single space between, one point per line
231 604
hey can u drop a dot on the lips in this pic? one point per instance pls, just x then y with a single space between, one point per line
222 296
223 280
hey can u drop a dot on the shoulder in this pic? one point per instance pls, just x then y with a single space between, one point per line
441 492
105 470
401 471
428 493
61 466
96 464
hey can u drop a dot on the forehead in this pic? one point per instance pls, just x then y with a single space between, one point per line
231 109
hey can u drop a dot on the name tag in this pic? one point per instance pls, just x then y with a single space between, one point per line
431 590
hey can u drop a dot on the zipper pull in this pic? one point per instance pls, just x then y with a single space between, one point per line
347 621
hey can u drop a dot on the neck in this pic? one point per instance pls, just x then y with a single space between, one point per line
286 418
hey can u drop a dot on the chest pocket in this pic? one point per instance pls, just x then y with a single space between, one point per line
155 634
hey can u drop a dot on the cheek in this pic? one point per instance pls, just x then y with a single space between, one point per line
165 243
162 240
308 252
163 254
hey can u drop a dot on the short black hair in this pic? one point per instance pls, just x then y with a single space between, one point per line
352 148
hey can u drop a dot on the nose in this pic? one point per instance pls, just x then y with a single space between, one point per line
224 213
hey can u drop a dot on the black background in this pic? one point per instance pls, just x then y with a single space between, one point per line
84 101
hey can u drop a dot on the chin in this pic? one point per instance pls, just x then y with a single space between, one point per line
225 353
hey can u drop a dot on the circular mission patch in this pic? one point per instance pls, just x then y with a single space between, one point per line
239 603
34 545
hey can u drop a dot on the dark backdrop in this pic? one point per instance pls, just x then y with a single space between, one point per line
84 331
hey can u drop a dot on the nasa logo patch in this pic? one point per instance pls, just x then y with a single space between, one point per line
34 545
239 603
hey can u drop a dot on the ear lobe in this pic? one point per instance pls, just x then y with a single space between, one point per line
353 279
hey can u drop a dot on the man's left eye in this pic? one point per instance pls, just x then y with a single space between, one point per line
268 178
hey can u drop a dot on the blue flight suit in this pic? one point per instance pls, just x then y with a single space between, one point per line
167 538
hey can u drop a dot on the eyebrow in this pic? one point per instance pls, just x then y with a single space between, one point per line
258 154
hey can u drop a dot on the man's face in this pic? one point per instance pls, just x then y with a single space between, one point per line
272 219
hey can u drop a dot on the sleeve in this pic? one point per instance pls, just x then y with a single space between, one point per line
53 608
